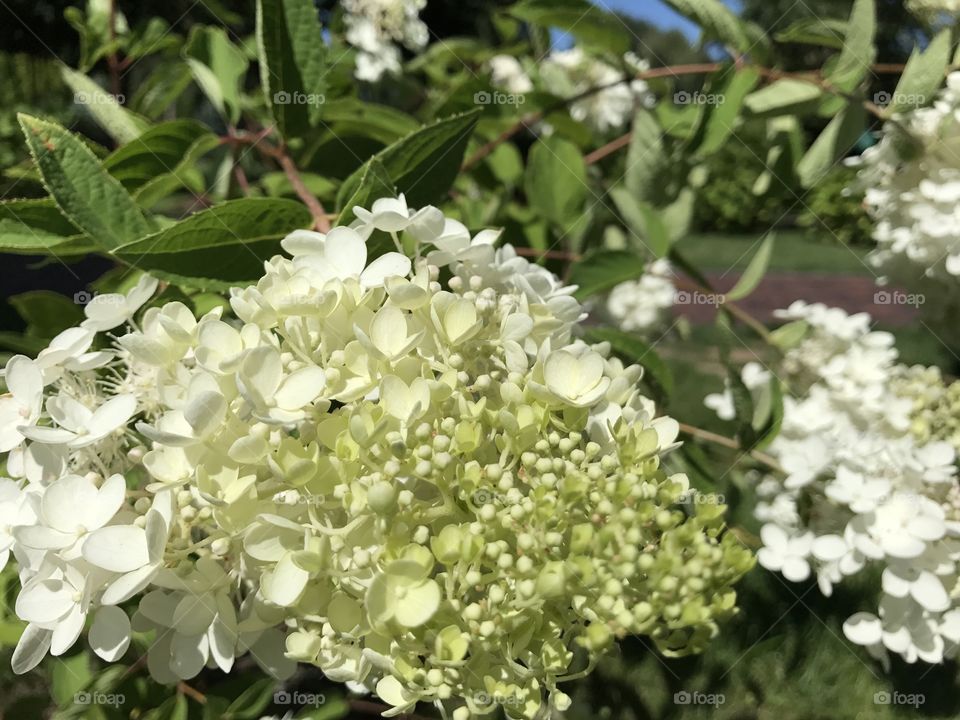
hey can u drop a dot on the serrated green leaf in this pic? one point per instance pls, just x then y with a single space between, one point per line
601 270
635 349
118 122
721 119
86 194
374 184
858 51
922 75
157 162
756 269
556 180
584 21
292 62
837 139
782 96
424 164
645 155
218 66
218 247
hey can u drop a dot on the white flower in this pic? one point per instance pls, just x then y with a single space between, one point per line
900 528
23 403
507 73
568 73
77 425
785 554
641 305
576 380
374 26
15 510
342 254
107 311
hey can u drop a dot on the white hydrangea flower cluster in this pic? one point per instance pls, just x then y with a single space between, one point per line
642 305
568 73
377 27
432 489
911 180
508 74
860 489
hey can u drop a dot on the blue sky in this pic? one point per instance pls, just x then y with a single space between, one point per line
656 12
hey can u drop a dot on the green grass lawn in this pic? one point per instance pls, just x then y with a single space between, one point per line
795 250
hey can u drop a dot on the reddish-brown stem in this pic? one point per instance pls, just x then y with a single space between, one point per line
726 442
278 153
608 149
191 692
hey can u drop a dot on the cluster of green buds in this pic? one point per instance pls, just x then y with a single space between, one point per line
935 404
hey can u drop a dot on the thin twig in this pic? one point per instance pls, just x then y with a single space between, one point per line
191 692
608 149
113 64
278 153
732 444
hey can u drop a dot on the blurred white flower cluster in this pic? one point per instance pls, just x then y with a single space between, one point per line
859 488
934 10
642 305
568 73
377 27
911 180
431 489
508 74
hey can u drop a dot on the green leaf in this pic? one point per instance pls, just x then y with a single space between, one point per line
89 197
769 431
174 708
644 221
782 96
71 674
756 269
335 708
119 123
837 139
635 349
556 180
160 89
786 337
292 62
858 51
722 118
718 23
253 700
601 270
37 227
218 247
218 66
374 184
158 162
826 32
46 313
424 164
584 21
645 156
922 75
